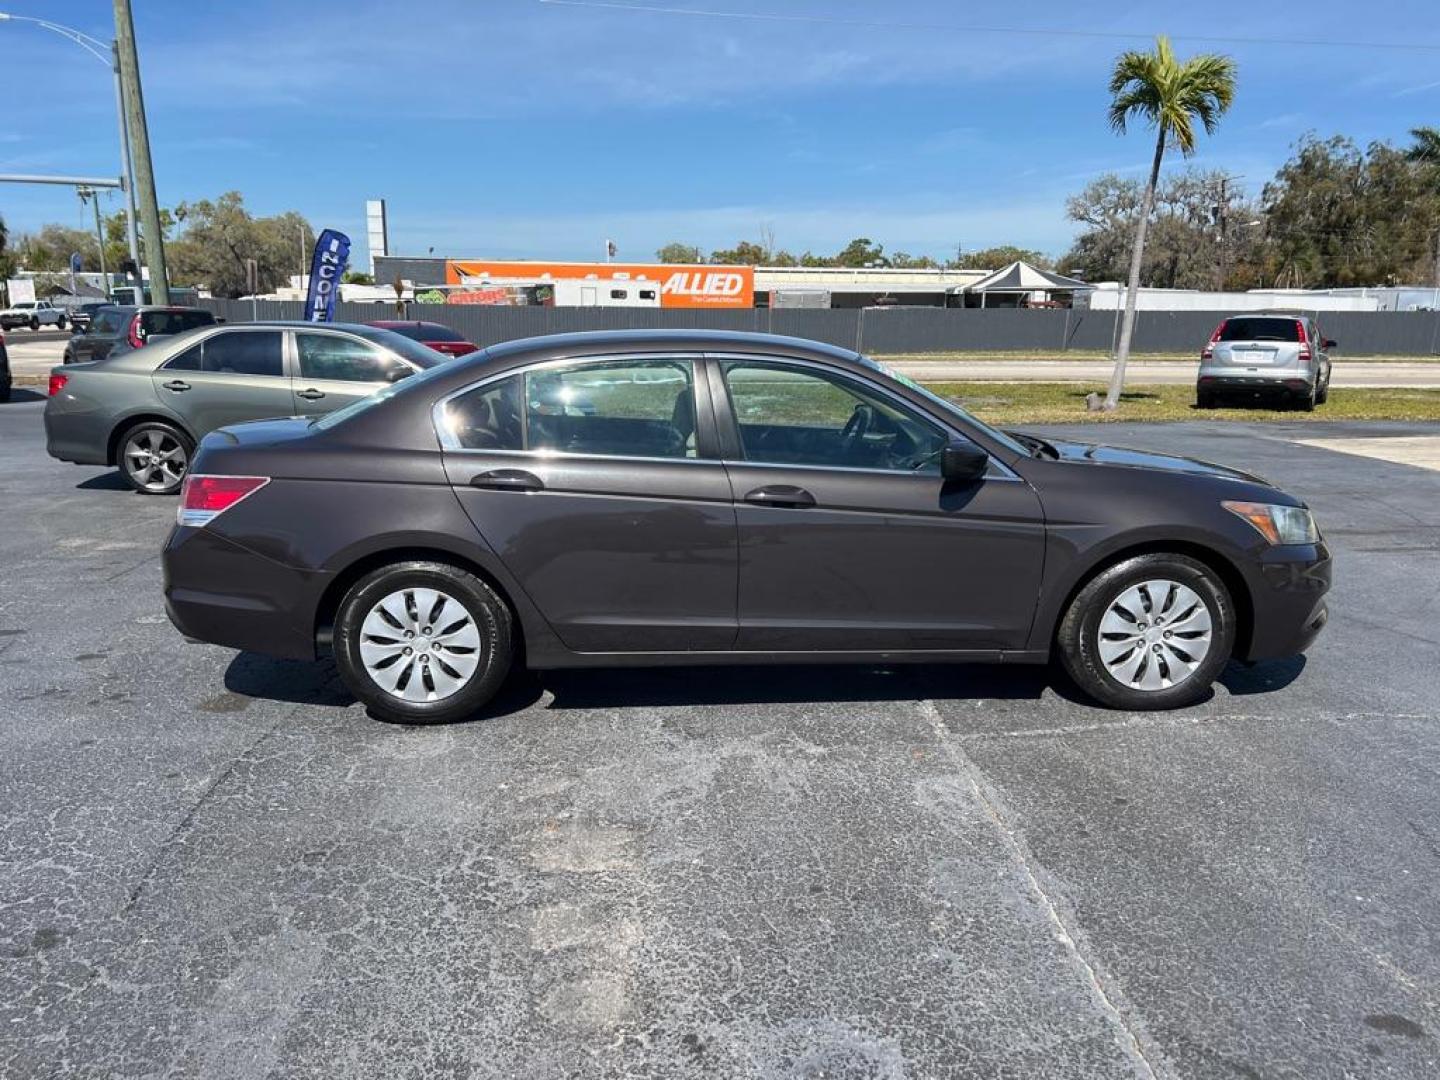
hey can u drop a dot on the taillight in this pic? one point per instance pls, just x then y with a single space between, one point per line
1209 350
133 335
204 497
57 383
1304 342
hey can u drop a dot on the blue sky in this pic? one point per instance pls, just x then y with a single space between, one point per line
520 128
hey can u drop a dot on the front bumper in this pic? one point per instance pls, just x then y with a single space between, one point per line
266 607
1287 590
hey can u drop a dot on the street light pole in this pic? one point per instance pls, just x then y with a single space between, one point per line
140 152
92 193
108 55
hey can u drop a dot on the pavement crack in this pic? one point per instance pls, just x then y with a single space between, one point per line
182 827
1173 720
1146 1056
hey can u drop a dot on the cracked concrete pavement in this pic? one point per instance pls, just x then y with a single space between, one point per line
215 865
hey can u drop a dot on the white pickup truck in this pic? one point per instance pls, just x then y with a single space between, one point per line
34 314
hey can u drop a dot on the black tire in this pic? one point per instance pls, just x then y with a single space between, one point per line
1323 394
68 357
487 611
1307 403
60 323
1078 638
34 323
166 479
1204 400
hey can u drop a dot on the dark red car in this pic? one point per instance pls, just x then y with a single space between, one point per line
438 337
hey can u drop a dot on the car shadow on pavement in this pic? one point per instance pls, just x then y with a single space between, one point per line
106 481
618 687
19 395
1261 678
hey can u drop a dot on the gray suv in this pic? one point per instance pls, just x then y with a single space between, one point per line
1266 354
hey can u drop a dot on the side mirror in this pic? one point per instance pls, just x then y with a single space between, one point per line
963 460
1329 343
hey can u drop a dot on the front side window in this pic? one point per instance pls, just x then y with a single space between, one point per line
242 352
329 356
796 416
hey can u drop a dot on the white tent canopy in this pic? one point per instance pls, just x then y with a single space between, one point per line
1022 278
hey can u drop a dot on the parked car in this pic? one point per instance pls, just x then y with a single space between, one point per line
118 328
435 335
727 498
81 314
4 371
34 314
144 410
1266 354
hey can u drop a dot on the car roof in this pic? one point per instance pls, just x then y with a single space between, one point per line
649 340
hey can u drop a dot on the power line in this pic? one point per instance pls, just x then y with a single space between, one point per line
872 24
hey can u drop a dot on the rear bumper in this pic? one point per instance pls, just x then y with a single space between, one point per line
1288 588
81 436
265 606
1278 381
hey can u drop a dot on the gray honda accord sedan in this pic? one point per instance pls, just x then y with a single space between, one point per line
145 410
642 498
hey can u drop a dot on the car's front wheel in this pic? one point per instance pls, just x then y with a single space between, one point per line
153 457
1151 632
423 642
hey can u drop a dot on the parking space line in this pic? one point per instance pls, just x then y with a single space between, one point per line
1421 451
1143 1052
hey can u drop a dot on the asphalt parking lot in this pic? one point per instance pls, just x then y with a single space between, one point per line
218 866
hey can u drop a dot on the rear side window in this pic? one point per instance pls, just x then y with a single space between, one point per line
1252 328
329 356
237 352
488 417
641 408
174 322
106 323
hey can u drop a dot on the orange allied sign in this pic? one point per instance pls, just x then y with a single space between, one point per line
681 286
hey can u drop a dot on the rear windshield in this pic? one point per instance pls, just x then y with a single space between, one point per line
1251 328
425 331
419 355
175 322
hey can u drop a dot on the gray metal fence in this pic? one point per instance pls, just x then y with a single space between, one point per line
882 331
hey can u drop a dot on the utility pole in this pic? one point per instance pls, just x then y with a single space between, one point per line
1221 219
140 151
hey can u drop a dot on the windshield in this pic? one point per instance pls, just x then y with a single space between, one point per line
1008 441
385 393
1260 329
422 356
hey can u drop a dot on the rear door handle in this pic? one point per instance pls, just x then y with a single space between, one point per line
783 495
310 395
178 385
507 480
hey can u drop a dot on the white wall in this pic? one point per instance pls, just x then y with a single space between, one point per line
1109 297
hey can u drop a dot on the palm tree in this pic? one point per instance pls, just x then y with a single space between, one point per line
1170 95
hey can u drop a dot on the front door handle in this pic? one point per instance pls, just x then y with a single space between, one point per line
177 385
311 394
783 495
507 480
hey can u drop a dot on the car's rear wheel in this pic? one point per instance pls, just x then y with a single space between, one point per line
423 642
153 457
60 323
1151 632
34 323
1323 394
1204 399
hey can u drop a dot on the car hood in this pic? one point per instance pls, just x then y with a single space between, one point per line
1121 457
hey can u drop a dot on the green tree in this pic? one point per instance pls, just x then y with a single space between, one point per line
1170 95
357 277
745 253
861 252
994 258
1339 215
1425 153
680 253
220 236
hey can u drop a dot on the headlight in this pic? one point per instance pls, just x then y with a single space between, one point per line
1278 524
